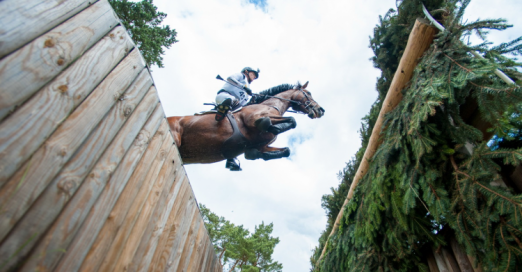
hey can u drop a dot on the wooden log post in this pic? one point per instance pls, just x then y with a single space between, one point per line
440 261
450 260
460 256
432 263
419 41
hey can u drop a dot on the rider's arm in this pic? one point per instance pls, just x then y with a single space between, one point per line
237 79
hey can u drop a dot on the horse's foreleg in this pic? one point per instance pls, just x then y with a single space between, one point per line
267 153
265 124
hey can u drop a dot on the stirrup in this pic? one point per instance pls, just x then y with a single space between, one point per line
222 109
233 165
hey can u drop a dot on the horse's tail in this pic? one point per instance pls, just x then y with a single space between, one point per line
175 129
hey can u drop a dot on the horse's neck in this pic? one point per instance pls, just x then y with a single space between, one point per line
280 104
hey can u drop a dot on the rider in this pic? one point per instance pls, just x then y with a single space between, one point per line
236 92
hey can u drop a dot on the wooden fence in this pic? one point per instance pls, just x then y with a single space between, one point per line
90 178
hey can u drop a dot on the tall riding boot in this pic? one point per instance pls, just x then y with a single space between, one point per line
233 165
223 108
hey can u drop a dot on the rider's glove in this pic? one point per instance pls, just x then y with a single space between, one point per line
247 90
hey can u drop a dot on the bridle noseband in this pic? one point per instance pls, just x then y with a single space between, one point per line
308 104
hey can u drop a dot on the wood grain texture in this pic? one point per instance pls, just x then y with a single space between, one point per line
158 223
47 162
196 250
460 256
441 262
207 255
137 182
26 129
162 184
432 264
22 21
179 258
26 70
183 226
166 242
202 252
86 235
451 263
64 229
159 168
51 201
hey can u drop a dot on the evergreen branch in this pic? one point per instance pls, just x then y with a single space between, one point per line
461 230
454 61
498 90
515 238
508 248
411 182
455 167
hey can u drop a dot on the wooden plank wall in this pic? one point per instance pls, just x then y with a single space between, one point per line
90 178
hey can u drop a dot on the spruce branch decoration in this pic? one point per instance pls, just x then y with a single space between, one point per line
425 184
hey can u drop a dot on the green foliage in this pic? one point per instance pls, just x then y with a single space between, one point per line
237 248
143 23
422 187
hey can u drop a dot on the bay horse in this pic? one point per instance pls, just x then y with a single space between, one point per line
201 139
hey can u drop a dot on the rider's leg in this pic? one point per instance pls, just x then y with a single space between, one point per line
265 124
267 153
224 102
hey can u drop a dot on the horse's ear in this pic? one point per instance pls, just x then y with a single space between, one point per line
304 86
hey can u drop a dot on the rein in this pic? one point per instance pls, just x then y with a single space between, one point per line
307 104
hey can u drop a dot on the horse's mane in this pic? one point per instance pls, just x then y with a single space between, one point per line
264 95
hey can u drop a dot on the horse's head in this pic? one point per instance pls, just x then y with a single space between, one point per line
305 103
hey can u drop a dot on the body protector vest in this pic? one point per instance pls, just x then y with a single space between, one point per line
240 80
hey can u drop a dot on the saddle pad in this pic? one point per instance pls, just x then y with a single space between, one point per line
214 111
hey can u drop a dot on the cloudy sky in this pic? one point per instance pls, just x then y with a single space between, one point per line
323 42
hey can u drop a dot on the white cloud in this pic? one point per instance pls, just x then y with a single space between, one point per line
324 42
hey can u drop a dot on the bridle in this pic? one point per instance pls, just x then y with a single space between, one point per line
308 104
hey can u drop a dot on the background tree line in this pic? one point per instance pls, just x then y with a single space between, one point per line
237 248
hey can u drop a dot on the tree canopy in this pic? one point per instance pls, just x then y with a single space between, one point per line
143 23
424 187
237 248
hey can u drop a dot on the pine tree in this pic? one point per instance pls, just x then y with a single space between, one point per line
143 22
237 248
423 184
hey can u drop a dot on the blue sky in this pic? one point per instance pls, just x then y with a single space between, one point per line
324 42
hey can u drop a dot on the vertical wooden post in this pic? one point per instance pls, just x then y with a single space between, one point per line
419 41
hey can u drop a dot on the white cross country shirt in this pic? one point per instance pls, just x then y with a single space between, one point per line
239 93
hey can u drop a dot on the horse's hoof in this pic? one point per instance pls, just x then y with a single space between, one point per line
286 152
263 123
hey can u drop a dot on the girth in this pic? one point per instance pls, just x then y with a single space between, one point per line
235 144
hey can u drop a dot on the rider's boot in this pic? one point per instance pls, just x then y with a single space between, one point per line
233 165
223 108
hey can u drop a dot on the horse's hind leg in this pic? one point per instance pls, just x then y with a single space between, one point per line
265 124
267 153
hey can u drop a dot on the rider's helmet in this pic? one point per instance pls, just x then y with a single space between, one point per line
250 70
